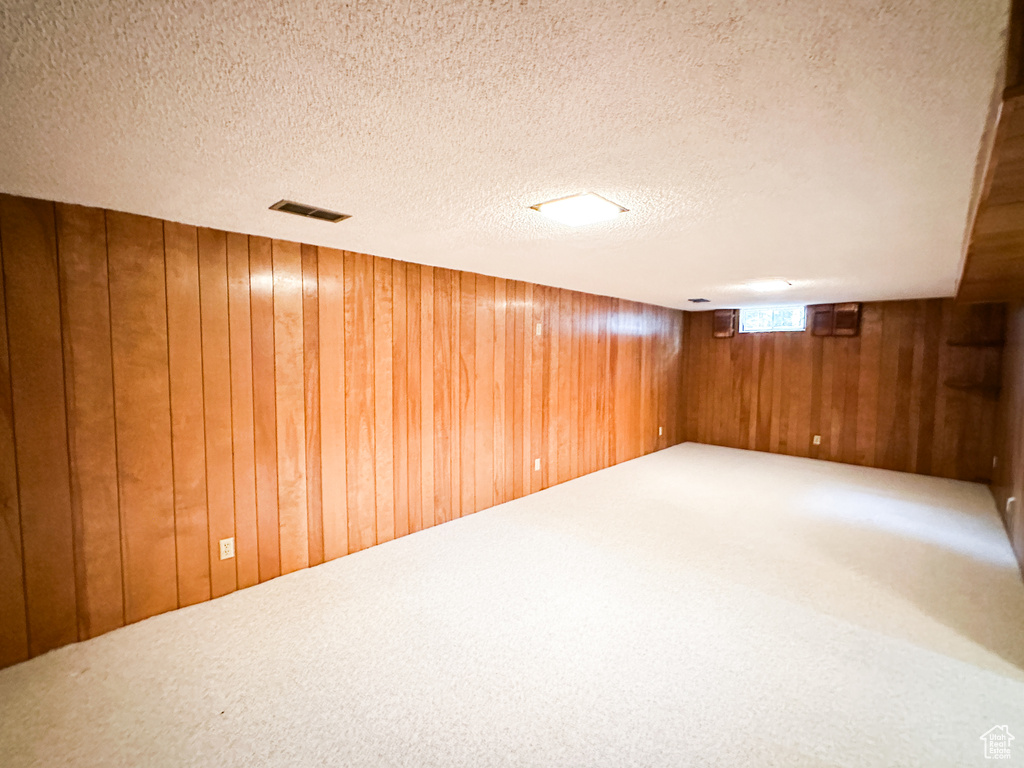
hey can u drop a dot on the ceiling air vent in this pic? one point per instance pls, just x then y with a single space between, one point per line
699 301
309 211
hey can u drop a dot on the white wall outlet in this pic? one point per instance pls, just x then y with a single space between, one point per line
227 548
661 431
1009 504
538 329
536 465
817 440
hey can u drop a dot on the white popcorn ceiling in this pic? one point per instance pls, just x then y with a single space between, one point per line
832 144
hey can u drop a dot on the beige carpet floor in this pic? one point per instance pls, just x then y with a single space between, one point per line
697 607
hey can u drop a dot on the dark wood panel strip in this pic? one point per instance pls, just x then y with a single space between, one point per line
142 409
332 356
264 405
14 643
291 407
89 388
216 351
188 440
243 448
311 391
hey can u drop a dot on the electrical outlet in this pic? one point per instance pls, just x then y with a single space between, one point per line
538 329
817 440
536 465
227 548
660 431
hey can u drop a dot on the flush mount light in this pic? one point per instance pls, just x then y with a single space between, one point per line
578 210
769 285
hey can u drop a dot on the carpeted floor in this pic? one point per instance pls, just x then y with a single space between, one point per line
697 607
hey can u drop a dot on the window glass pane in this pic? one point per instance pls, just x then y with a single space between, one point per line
767 319
755 320
788 319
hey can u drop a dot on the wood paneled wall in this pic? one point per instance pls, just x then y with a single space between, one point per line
908 393
993 268
164 387
1008 479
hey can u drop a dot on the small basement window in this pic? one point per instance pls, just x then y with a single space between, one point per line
768 319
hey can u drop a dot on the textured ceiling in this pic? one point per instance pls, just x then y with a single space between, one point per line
832 144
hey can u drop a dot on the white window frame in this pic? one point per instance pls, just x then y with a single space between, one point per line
777 324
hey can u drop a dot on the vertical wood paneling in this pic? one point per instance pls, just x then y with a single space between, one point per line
931 318
520 401
762 423
868 389
359 405
576 406
550 413
138 319
242 440
89 388
525 418
588 393
175 386
216 352
563 372
878 399
647 415
291 408
14 645
481 382
466 402
311 390
1008 479
509 433
188 441
331 333
413 405
620 376
536 336
499 480
400 397
31 279
445 385
427 442
383 392
264 404
605 397
888 384
458 406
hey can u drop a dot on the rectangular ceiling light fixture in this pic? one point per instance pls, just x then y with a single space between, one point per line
309 211
581 209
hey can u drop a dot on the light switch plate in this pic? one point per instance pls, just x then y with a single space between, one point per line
536 465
